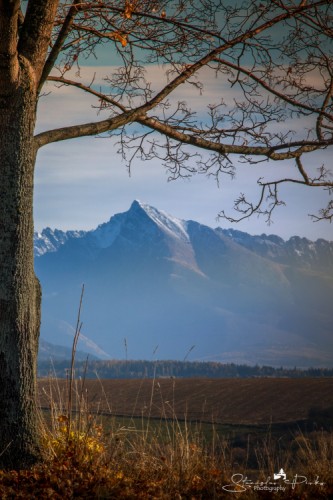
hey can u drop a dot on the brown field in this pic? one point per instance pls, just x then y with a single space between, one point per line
260 426
224 401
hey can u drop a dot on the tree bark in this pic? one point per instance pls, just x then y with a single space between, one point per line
20 294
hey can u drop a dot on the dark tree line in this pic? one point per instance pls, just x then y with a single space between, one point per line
119 369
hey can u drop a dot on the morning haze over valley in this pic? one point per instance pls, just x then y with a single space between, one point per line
158 287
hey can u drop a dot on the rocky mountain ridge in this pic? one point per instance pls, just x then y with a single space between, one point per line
298 250
155 280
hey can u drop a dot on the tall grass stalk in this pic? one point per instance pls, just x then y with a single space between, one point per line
74 347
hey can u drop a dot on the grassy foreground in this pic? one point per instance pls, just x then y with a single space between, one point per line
88 455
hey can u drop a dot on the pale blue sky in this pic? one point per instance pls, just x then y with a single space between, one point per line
83 182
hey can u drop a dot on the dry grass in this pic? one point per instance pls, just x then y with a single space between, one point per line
91 456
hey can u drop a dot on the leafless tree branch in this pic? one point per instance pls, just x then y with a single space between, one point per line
275 59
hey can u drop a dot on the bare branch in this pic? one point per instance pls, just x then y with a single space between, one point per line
269 197
101 96
323 114
86 129
59 43
272 90
273 61
36 32
295 149
325 214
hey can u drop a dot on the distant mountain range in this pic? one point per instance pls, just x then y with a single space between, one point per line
155 286
48 351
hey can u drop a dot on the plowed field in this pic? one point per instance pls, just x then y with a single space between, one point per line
225 401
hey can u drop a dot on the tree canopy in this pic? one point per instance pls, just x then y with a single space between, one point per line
273 59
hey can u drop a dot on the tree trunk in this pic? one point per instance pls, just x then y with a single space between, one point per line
20 294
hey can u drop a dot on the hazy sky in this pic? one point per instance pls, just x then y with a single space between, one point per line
83 182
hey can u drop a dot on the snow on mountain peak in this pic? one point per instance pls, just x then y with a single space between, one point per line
167 223
105 234
146 222
50 240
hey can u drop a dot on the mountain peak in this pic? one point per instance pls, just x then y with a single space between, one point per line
155 279
167 223
137 204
